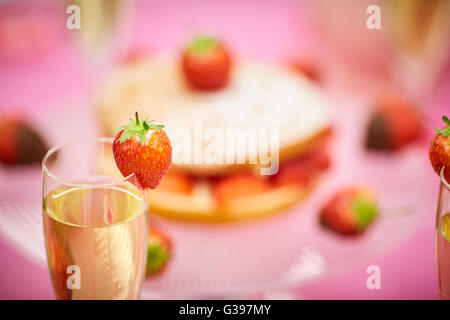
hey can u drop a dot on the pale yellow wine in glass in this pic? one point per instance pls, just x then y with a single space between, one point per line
443 239
95 226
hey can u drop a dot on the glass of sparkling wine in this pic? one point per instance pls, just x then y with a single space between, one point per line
443 238
95 223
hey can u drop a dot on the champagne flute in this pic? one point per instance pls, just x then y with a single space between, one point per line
419 31
443 238
95 226
105 28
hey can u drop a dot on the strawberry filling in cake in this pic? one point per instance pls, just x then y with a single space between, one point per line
301 171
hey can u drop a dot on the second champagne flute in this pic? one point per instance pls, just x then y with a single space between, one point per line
443 238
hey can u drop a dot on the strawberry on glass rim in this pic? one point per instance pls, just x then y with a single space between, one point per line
440 150
143 149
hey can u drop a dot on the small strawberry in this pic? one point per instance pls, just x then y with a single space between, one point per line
349 211
19 142
206 64
440 150
159 252
143 149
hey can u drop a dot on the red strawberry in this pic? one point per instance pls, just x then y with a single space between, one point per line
19 143
349 211
143 149
239 185
440 150
395 124
206 64
159 252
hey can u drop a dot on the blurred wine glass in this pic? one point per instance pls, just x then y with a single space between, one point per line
104 27
409 49
419 33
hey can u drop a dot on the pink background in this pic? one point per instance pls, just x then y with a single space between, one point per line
52 74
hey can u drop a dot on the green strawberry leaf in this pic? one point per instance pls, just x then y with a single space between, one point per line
146 126
126 135
120 128
366 212
138 128
446 120
142 137
446 131
156 126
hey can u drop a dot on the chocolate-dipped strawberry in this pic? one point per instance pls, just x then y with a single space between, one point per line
19 142
395 124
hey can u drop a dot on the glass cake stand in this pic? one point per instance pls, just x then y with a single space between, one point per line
284 251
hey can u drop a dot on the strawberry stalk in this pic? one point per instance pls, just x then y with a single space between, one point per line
203 44
138 128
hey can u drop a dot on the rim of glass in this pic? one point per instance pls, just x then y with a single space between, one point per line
444 181
46 170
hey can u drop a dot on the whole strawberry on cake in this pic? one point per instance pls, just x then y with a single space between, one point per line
201 93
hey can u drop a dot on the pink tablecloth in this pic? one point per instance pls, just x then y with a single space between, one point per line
53 77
